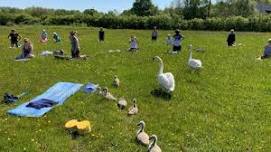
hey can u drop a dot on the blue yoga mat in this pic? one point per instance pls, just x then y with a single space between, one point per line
57 93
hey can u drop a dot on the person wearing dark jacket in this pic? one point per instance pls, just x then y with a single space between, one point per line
231 38
154 34
14 39
101 35
177 41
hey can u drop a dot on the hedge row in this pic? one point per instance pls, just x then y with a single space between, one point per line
254 23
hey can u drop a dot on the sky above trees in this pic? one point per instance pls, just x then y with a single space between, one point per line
100 5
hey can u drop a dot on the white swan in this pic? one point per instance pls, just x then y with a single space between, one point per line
193 63
153 147
166 80
141 136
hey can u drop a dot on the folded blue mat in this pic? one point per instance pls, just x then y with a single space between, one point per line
57 93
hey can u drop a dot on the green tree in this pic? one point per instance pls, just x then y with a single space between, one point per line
144 8
91 12
195 9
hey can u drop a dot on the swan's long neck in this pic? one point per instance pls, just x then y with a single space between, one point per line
152 144
134 104
190 54
161 67
141 129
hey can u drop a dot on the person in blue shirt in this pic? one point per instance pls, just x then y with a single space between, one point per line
267 50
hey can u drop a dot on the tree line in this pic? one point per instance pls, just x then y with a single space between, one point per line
183 14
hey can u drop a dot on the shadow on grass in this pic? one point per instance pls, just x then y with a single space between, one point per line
161 94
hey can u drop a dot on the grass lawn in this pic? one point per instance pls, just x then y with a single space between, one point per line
224 107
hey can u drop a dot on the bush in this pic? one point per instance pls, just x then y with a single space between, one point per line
109 20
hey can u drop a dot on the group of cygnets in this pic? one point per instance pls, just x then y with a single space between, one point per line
121 102
141 136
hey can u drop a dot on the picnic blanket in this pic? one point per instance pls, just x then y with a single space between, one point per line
57 93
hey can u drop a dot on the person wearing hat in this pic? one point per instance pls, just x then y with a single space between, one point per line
231 38
14 39
177 40
44 36
101 35
75 47
27 50
267 50
56 37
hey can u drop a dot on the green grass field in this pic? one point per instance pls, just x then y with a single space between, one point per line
224 107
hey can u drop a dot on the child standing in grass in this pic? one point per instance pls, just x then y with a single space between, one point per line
56 37
75 47
154 34
14 39
177 40
101 35
133 44
27 50
231 38
44 36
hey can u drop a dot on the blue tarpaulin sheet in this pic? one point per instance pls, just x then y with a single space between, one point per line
57 93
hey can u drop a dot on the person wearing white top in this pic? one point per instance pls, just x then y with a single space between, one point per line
133 44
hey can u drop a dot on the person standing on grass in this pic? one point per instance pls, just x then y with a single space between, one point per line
27 50
177 40
101 35
133 44
231 38
75 47
44 36
267 51
14 39
56 37
154 34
